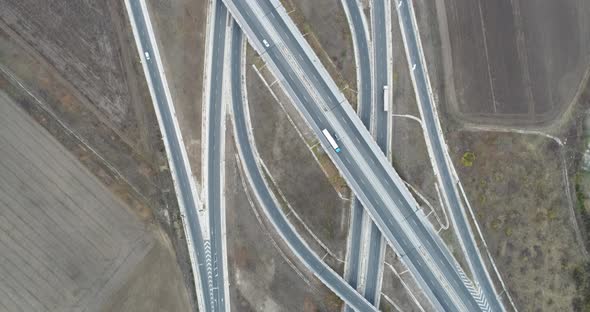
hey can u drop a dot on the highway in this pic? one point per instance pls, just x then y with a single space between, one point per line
372 115
380 30
215 150
363 62
381 119
362 163
249 158
175 149
353 263
439 155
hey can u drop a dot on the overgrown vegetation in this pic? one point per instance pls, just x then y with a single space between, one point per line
581 272
468 159
581 276
581 198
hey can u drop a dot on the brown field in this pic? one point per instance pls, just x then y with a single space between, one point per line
67 242
85 85
81 42
153 285
514 62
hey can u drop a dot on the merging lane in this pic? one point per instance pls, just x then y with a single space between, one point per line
215 140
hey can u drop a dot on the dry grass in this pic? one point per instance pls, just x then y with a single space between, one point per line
516 187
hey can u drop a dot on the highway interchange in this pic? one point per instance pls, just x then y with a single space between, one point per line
362 162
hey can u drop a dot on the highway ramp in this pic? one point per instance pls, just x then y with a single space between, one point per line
215 131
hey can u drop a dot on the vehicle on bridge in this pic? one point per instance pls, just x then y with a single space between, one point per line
385 98
331 140
147 56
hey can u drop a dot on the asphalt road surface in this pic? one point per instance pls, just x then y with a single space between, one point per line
381 118
364 110
214 162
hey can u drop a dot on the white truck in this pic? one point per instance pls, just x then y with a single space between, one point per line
385 98
331 140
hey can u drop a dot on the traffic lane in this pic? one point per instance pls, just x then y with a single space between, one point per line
449 268
214 151
356 226
381 70
364 108
364 111
161 103
274 212
373 264
448 182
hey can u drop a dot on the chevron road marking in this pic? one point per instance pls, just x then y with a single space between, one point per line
474 290
209 266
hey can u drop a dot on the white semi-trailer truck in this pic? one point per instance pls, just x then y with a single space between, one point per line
331 140
385 98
